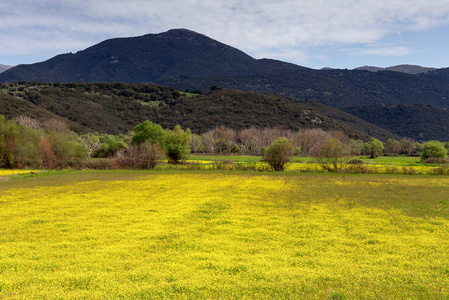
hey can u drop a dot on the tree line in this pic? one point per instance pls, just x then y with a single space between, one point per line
28 143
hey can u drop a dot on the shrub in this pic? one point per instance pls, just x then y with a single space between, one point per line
433 149
143 156
279 153
47 153
235 148
355 162
435 160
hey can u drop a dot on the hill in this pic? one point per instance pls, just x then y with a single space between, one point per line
337 88
118 107
408 69
418 121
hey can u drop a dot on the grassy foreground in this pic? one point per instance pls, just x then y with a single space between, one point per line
233 235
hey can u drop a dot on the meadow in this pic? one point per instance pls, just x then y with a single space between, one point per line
173 234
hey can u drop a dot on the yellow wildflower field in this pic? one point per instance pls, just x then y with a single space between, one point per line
224 235
15 172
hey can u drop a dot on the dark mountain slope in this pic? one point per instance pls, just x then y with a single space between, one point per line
338 88
118 107
440 75
418 121
175 53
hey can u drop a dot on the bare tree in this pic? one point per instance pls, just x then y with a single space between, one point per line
56 125
251 140
28 122
91 142
224 137
208 142
338 134
196 144
311 139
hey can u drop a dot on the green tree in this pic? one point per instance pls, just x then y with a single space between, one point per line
433 149
176 144
148 132
110 145
279 153
373 148
19 145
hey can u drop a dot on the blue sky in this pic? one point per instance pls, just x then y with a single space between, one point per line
311 33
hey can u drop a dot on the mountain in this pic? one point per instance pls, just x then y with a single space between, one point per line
118 107
408 69
176 53
187 60
3 68
417 121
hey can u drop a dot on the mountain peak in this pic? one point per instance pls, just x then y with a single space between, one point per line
175 53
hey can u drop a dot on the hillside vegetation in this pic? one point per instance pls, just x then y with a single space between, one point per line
117 107
417 121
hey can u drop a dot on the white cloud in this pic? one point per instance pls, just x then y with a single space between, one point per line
275 28
386 51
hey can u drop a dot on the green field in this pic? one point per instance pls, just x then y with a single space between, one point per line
224 235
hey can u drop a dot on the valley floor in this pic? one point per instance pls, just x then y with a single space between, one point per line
223 234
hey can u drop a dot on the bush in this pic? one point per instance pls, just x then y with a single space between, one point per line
355 162
143 156
435 160
176 144
433 149
279 153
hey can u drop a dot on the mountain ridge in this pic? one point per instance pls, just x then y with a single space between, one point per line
404 68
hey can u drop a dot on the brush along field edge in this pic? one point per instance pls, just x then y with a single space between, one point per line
146 235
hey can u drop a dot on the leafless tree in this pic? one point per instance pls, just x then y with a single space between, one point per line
91 142
28 122
251 140
224 138
208 142
196 144
311 139
338 134
57 125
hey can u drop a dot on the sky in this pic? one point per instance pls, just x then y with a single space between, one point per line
311 33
